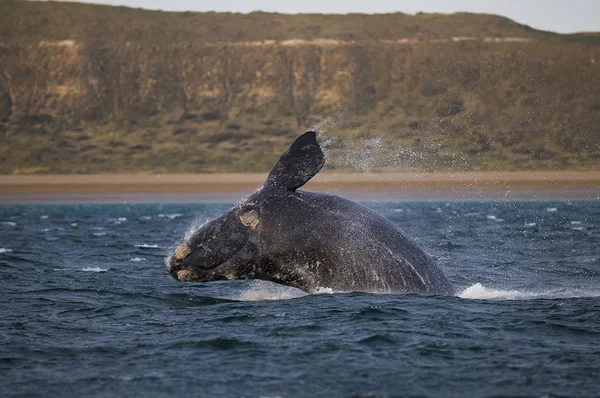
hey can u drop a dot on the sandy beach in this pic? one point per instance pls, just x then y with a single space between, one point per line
582 185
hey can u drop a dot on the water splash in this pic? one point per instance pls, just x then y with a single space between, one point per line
480 292
195 226
324 290
354 141
263 291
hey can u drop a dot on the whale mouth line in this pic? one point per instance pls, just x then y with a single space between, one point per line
183 271
190 273
185 275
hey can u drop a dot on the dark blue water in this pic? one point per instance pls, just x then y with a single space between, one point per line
87 309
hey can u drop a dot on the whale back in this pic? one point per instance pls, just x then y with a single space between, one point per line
321 240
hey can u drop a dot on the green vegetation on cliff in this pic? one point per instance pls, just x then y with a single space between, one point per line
87 88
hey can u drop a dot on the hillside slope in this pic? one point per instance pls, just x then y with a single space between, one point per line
87 88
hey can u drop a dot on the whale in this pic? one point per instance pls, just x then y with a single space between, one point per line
307 240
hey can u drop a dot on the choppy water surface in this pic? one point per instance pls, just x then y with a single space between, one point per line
87 309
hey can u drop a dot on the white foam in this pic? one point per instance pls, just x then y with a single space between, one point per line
494 218
480 292
99 233
551 209
122 219
73 224
324 290
257 295
147 246
578 228
94 269
12 224
263 291
3 250
170 216
145 218
44 217
575 222
137 259
530 224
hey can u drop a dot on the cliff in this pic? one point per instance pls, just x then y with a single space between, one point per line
86 88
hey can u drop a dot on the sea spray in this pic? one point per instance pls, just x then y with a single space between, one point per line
352 142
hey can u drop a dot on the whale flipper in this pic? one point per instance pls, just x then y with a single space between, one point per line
302 160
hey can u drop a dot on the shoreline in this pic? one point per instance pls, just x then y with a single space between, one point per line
107 188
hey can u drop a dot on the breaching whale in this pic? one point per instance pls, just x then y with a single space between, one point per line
307 240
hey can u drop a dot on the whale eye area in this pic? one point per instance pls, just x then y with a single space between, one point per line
249 218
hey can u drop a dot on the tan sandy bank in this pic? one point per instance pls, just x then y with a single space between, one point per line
210 187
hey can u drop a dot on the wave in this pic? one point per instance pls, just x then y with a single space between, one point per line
48 229
170 216
137 259
264 291
480 292
87 269
94 269
147 246
4 250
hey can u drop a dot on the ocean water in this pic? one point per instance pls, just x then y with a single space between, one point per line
87 309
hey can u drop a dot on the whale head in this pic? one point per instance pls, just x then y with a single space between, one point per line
228 247
223 248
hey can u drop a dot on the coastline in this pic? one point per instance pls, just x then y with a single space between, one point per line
553 185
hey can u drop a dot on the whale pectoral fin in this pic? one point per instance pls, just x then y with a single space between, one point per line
302 160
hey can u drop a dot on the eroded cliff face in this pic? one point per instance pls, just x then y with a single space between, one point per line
125 102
